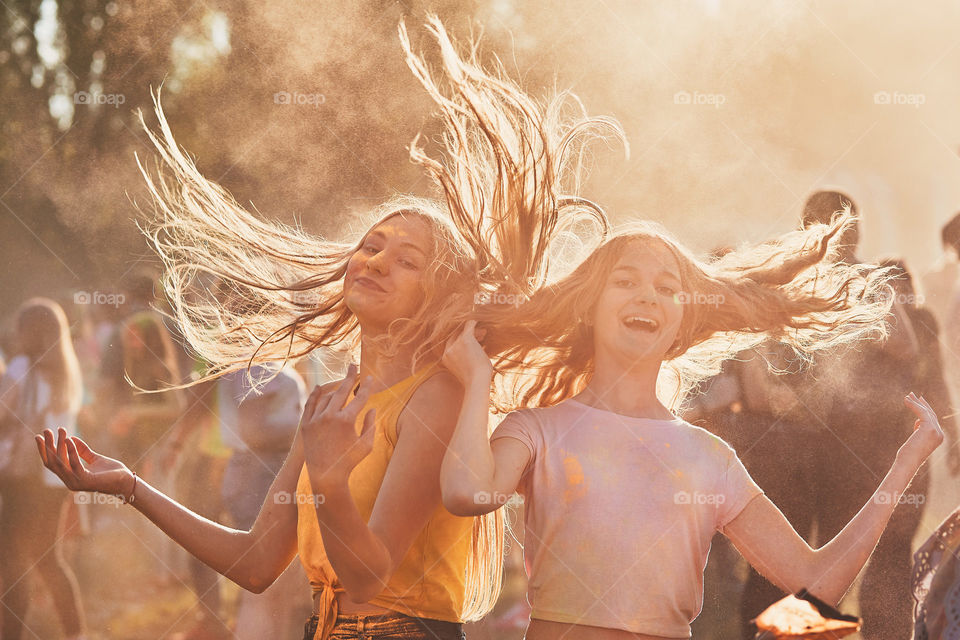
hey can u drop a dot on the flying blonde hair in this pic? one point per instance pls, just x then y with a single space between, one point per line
790 289
509 175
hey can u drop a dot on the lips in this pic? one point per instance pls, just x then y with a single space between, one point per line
369 284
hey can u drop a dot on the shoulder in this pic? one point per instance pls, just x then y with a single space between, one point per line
924 317
17 368
530 424
435 403
440 388
525 419
707 442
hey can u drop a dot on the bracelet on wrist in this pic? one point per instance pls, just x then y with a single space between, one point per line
130 497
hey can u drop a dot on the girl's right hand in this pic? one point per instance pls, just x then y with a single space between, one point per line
464 357
82 469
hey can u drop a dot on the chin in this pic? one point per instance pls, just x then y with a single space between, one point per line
362 306
630 350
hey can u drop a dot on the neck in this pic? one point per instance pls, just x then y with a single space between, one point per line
629 389
385 370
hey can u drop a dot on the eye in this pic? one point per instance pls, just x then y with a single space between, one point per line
370 249
624 282
666 290
408 264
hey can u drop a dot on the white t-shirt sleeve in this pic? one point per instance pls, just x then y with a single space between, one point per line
736 487
521 426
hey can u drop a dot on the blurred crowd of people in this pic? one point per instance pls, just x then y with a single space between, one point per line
88 365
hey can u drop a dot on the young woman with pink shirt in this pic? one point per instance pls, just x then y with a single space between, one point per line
622 497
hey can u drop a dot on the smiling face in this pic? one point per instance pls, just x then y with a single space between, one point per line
638 314
383 278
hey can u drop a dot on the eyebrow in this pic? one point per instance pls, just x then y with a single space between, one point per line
663 272
405 243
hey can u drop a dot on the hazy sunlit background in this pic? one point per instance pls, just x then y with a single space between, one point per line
735 111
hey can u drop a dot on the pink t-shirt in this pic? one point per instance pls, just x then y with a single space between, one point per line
620 512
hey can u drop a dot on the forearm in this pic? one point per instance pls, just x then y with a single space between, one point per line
468 466
836 564
358 557
227 551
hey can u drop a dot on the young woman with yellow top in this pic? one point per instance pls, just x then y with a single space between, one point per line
359 494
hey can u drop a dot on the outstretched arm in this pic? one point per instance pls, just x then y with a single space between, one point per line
253 559
770 544
477 476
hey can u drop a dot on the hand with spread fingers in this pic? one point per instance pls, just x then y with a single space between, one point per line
332 447
80 467
927 434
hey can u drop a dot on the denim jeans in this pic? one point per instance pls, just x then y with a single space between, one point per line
388 626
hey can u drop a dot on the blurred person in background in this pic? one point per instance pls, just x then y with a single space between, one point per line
195 456
141 420
931 375
935 583
41 389
940 282
818 449
941 288
140 355
258 428
141 360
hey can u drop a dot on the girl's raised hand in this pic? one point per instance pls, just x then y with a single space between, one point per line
80 467
927 433
332 447
464 357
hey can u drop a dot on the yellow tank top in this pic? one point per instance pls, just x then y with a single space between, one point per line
430 580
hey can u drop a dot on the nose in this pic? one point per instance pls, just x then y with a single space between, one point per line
646 295
377 262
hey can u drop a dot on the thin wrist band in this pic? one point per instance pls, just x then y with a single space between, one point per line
130 497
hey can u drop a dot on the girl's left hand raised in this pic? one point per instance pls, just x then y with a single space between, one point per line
465 358
927 434
332 447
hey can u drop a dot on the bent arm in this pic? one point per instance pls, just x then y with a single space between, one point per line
770 544
364 554
477 476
